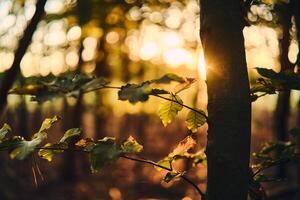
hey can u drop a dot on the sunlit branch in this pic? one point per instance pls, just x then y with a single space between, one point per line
155 95
190 108
100 88
133 159
61 149
168 169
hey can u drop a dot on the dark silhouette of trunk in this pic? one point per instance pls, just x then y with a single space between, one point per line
103 71
12 73
73 119
282 110
22 118
296 12
229 107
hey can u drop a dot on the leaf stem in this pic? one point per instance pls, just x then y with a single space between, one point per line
156 95
188 107
186 179
101 87
61 149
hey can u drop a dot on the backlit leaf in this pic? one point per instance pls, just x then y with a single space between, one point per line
87 144
135 93
4 130
164 163
95 83
9 144
71 134
170 176
47 123
184 85
183 147
103 153
131 146
51 149
25 148
167 78
195 119
168 109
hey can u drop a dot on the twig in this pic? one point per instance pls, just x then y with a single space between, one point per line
100 88
155 95
165 98
61 149
186 179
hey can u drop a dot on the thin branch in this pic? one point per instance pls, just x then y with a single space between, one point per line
286 160
100 88
61 149
188 107
186 179
155 95
13 72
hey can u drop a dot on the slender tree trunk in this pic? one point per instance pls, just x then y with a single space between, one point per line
13 72
229 107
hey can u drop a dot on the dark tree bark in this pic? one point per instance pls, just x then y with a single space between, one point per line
297 22
229 107
282 110
12 73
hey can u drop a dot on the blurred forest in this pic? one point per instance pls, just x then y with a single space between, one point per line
133 41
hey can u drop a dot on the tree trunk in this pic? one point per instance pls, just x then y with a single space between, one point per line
229 107
282 110
297 22
12 73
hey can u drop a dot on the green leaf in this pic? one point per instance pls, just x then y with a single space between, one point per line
10 143
135 93
25 148
184 85
86 144
168 110
51 149
4 130
167 78
170 176
195 119
183 147
30 89
47 123
131 146
263 178
47 88
156 91
268 73
104 152
166 162
71 134
95 83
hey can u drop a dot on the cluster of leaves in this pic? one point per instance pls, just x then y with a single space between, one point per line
272 154
274 81
47 88
101 152
181 151
72 85
106 150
